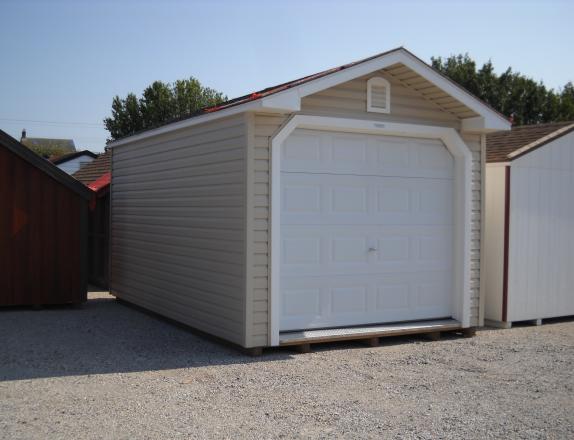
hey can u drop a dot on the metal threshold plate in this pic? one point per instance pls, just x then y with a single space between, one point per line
339 334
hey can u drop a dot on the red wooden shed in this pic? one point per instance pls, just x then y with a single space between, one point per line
43 230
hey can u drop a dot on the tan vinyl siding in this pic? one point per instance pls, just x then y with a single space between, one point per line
178 219
349 100
346 100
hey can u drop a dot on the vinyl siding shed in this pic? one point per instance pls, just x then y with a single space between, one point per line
237 221
530 224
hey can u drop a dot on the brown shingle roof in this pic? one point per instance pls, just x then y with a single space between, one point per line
501 144
95 169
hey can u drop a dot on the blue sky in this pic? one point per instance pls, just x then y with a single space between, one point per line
63 61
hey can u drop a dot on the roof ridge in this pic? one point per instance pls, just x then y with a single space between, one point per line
52 139
540 141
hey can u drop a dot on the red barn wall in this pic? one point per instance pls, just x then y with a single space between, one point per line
43 249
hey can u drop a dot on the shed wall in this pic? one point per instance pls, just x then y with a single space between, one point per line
178 219
348 101
494 240
541 242
43 249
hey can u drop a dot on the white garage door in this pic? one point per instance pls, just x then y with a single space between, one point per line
366 230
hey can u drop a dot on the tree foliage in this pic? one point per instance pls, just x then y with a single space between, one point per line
511 93
160 103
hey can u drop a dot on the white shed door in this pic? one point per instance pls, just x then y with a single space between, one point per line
366 230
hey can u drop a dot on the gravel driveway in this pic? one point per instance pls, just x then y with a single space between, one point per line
109 371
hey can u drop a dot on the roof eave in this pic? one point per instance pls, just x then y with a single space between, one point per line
290 99
248 106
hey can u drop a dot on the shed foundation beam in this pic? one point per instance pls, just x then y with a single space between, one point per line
433 336
302 348
372 342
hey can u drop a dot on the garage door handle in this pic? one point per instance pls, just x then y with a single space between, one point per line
372 249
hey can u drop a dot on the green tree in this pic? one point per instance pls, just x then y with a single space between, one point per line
511 93
159 104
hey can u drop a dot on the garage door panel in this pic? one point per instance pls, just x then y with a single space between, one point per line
311 302
360 200
326 250
366 230
355 154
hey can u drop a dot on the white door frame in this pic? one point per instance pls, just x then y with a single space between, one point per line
462 203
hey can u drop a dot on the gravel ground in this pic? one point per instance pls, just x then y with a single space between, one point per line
110 371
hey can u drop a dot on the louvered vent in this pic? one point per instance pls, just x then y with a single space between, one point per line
378 95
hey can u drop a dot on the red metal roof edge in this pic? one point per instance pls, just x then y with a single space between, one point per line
101 182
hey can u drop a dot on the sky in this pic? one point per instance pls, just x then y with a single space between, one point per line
64 61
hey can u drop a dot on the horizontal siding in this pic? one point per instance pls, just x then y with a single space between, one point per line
349 100
178 219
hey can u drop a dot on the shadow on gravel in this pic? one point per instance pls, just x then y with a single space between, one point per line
105 336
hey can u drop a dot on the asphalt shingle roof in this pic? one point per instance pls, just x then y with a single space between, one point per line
63 145
502 143
95 169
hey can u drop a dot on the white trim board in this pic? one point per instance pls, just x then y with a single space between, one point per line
289 100
462 204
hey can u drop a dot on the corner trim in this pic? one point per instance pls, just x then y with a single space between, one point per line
506 244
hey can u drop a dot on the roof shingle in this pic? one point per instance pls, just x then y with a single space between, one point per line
95 169
501 144
58 145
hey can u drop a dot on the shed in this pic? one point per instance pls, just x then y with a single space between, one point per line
345 204
530 224
43 230
96 176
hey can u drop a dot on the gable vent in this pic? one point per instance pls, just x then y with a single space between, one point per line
378 95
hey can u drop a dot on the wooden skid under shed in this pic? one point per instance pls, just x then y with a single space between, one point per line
509 324
369 332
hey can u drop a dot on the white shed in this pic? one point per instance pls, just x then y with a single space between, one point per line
529 232
346 204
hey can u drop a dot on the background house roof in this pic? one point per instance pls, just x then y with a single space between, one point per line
95 169
56 160
66 145
44 165
502 146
